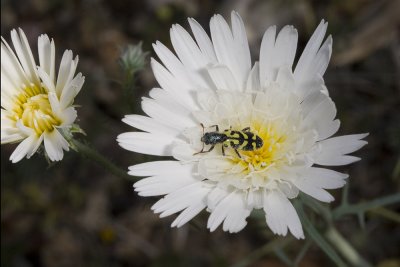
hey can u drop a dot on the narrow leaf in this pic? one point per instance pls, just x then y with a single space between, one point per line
317 237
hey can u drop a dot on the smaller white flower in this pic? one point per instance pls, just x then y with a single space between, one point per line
36 105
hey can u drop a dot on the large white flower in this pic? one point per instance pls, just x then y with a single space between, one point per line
35 106
211 82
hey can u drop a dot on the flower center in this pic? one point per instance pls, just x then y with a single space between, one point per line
272 153
269 154
274 117
33 108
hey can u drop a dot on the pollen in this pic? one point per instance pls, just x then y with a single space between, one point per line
33 108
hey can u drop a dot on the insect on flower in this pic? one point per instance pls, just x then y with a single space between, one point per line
275 112
238 140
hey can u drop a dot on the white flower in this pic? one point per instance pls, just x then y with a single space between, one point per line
211 82
35 106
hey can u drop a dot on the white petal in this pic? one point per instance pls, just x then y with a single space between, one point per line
285 47
310 187
223 78
321 60
11 135
281 215
11 69
267 54
25 56
46 50
301 72
321 117
150 125
215 196
169 60
68 116
24 148
255 199
146 143
158 168
23 129
188 78
164 183
203 40
9 131
70 90
253 82
289 190
242 46
232 211
54 143
316 85
169 101
35 146
285 78
189 213
184 152
46 80
66 71
325 178
186 49
181 199
164 114
278 53
230 50
332 151
55 104
171 84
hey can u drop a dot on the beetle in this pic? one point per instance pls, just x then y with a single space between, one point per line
244 140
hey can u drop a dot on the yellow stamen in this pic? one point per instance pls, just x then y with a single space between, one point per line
32 106
271 153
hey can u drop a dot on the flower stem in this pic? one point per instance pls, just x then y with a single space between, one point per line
270 247
362 207
332 235
345 248
316 236
90 153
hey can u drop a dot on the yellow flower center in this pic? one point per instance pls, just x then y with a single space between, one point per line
33 107
272 153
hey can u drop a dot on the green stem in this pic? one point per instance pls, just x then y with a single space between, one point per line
92 154
302 252
314 234
318 207
386 213
362 207
266 249
345 248
332 235
283 257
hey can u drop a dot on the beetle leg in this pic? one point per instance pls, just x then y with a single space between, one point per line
211 148
223 150
202 126
202 150
216 127
237 152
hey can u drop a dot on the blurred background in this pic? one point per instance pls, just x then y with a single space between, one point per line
74 213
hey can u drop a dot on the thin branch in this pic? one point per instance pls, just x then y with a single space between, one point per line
92 154
270 247
362 207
